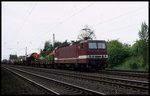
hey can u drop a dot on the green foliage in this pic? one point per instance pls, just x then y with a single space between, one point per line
131 63
138 53
120 56
143 43
48 47
13 57
134 61
57 43
49 57
135 51
117 52
65 43
144 33
20 57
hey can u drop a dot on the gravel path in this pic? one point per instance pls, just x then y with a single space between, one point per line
13 85
98 86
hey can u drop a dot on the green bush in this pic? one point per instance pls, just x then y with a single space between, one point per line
133 65
117 53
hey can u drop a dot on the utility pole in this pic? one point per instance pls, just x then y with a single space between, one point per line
53 39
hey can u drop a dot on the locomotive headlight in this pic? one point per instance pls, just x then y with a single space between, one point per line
89 56
103 56
106 56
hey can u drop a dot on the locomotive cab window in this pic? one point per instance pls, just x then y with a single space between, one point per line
82 46
92 45
101 45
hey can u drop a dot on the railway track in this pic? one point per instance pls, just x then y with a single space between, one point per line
130 73
134 84
135 71
52 86
139 86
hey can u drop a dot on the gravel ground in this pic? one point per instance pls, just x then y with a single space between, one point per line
98 86
13 85
119 76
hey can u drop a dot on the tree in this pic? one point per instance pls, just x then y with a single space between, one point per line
117 52
144 33
86 33
47 49
12 57
135 49
143 43
65 43
56 44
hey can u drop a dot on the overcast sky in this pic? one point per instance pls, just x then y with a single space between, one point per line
30 24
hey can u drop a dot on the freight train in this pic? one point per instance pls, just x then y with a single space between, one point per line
86 54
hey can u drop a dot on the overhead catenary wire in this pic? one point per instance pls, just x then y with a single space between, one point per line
118 17
124 27
53 25
65 20
29 11
85 8
24 21
111 19
26 17
114 18
74 14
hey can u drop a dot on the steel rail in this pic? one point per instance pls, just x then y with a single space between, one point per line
135 71
64 83
105 79
109 80
45 89
131 74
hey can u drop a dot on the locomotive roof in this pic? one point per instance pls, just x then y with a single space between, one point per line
80 42
91 41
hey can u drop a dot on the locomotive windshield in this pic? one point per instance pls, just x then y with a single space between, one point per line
101 45
96 45
92 45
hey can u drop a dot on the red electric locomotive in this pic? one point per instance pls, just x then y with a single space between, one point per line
85 54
